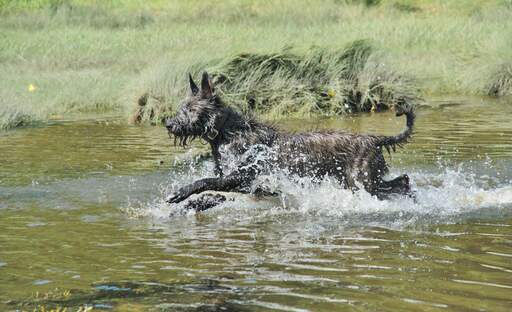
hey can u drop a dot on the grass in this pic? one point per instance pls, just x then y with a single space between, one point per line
347 80
320 81
500 82
90 56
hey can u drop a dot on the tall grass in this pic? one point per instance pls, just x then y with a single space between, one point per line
319 81
87 56
500 82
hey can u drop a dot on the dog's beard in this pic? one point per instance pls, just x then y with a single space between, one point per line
182 139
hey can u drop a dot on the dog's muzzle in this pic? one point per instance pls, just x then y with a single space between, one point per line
169 124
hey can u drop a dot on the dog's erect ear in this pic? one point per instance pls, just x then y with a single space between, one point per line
193 86
206 87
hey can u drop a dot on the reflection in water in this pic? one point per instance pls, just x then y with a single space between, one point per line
81 149
81 209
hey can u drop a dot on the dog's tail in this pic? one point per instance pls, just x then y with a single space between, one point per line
402 138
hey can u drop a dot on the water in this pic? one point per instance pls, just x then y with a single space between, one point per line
83 224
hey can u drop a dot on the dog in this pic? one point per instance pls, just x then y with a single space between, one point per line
354 160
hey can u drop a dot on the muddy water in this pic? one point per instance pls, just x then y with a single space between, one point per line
82 223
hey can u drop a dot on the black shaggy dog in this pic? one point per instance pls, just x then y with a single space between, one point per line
353 159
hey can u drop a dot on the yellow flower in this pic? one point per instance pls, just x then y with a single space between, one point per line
331 93
31 88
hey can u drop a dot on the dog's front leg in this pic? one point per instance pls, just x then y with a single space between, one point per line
185 192
238 179
216 159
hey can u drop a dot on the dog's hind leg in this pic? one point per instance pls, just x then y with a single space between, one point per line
209 200
264 192
399 185
205 201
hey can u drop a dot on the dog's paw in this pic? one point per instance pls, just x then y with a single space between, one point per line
176 198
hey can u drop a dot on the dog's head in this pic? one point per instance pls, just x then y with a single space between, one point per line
199 115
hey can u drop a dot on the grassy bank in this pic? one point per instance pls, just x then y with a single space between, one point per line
59 58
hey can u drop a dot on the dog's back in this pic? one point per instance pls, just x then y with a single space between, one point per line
349 157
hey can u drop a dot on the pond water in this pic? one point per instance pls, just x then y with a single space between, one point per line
83 224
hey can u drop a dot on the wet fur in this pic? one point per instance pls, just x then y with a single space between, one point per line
353 159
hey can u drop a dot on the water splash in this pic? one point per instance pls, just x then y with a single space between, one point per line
447 193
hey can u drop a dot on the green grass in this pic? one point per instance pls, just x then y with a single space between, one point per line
101 56
500 82
319 81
